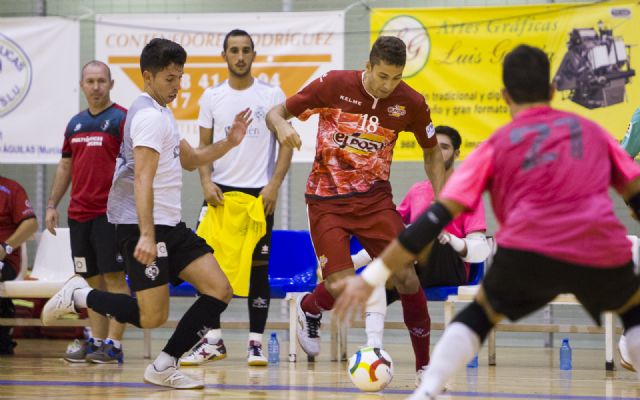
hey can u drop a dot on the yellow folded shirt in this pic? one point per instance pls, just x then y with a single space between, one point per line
233 230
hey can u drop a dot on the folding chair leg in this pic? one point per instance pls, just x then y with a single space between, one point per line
335 331
147 344
609 339
492 347
292 328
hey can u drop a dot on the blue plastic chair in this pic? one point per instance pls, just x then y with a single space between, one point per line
292 266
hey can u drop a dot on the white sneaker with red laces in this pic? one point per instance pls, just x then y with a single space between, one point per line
205 352
255 356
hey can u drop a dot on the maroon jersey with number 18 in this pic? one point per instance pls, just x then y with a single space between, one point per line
357 132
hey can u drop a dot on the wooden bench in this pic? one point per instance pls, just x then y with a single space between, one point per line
466 294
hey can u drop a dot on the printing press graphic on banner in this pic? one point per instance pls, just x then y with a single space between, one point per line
595 69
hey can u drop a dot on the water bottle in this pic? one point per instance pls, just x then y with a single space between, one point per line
274 349
565 355
473 363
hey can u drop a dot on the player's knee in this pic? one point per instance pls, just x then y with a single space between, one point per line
115 282
476 319
406 281
219 290
150 320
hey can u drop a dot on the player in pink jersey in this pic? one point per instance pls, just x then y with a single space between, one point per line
548 174
348 191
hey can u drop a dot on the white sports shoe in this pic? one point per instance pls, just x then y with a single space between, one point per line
419 374
171 377
625 359
205 352
61 303
307 329
255 357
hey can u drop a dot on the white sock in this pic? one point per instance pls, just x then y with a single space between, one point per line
374 326
164 361
116 343
80 297
457 346
97 341
256 337
213 336
632 336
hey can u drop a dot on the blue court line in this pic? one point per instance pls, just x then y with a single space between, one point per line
253 388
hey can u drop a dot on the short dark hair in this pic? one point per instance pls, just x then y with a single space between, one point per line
526 76
236 32
389 49
93 63
159 53
452 134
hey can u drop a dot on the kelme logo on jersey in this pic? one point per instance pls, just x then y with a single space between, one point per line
397 111
360 143
15 75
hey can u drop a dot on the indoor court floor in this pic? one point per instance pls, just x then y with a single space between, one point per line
37 371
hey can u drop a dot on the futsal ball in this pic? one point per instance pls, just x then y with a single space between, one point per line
370 369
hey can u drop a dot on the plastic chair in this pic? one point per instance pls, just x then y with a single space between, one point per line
52 267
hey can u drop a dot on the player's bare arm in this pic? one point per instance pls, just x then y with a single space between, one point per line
146 163
270 192
355 290
285 133
191 158
23 232
212 193
60 185
434 167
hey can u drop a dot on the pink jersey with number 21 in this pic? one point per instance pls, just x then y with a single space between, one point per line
548 173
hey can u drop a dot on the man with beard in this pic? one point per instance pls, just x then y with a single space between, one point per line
249 168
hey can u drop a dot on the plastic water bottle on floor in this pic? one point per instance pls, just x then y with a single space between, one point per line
274 349
473 363
565 355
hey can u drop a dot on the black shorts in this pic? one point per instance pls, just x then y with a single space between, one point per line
7 273
178 246
444 267
263 248
520 282
93 247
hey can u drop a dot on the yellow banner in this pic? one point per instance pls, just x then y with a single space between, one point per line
454 58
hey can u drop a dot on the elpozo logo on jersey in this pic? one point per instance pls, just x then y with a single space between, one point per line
415 37
15 75
359 143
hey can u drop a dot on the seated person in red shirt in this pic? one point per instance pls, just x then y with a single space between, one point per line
17 224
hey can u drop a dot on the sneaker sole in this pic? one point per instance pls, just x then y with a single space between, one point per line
47 303
196 363
173 387
625 364
75 361
104 362
257 363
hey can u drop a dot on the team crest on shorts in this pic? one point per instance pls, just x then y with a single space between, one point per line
323 260
152 271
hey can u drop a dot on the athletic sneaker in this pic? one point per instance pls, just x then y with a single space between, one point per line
61 303
307 329
419 374
78 351
255 357
171 377
106 354
205 352
421 396
625 359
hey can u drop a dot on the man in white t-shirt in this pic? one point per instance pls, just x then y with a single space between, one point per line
250 168
144 203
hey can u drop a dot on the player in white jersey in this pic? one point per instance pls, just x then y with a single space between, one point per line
144 203
250 168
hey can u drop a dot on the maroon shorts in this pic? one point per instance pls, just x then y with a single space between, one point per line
372 218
